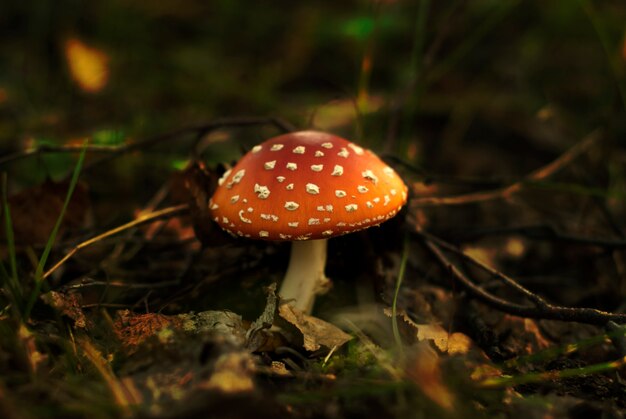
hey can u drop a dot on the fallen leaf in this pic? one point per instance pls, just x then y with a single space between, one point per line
88 66
34 357
452 343
44 203
232 374
424 370
256 338
69 305
313 333
133 329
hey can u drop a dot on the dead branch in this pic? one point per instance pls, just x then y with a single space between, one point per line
146 218
538 232
504 193
116 151
540 309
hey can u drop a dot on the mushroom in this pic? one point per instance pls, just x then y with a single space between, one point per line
306 187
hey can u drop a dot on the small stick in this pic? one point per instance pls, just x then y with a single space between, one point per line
147 218
506 192
537 311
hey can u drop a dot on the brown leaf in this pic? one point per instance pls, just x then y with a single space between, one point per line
424 370
133 329
198 186
68 305
313 333
43 203
232 373
452 343
88 66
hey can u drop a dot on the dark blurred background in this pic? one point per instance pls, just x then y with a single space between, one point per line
445 83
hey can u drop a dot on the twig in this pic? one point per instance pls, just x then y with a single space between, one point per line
49 148
538 232
147 218
506 192
540 309
115 151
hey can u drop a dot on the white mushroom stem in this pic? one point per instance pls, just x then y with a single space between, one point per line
305 275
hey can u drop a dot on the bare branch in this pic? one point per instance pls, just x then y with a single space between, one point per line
539 310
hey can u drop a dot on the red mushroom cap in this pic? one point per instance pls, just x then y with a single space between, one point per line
306 185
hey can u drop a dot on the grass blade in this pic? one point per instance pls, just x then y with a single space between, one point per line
46 252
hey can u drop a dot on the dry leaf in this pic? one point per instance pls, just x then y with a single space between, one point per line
68 305
424 370
257 338
313 332
232 374
44 203
452 343
88 66
133 329
33 356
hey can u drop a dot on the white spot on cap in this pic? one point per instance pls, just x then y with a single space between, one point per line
250 209
225 220
329 208
340 194
276 147
326 219
244 219
304 237
369 204
299 150
319 153
293 224
264 233
292 166
314 221
351 207
358 150
214 206
337 170
236 178
376 200
291 206
284 236
327 232
317 167
224 176
362 189
386 200
321 208
257 148
341 224
280 179
234 199
312 188
289 187
261 191
393 192
369 175
388 171
344 153
269 165
327 145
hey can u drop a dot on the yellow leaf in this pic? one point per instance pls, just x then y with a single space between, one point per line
89 66
424 370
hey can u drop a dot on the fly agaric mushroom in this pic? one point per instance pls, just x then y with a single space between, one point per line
306 187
